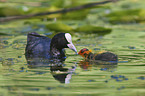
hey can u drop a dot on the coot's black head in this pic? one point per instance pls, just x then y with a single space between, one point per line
62 40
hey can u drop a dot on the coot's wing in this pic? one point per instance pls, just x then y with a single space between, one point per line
37 46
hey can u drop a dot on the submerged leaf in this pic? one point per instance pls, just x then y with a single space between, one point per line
3 34
127 16
9 11
76 15
59 27
93 29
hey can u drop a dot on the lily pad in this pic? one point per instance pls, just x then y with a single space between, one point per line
93 29
76 15
127 16
3 33
9 11
59 27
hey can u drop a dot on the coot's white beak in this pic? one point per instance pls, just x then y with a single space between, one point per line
71 46
69 40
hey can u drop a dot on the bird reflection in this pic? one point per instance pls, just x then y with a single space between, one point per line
61 74
41 62
103 66
57 68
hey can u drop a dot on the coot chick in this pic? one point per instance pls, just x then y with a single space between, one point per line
39 46
103 56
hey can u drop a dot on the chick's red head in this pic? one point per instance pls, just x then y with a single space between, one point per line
83 52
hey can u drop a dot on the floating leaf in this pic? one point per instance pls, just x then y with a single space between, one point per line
59 27
76 15
9 11
127 16
93 29
3 34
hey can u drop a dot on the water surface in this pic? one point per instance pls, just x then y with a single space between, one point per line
74 76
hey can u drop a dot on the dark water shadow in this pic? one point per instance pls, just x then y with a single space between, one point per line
97 64
56 67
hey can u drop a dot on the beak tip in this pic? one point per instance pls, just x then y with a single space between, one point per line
75 51
71 46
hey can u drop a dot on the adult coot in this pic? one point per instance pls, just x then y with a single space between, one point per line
103 56
43 47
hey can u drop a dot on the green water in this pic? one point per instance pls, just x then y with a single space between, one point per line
124 79
127 78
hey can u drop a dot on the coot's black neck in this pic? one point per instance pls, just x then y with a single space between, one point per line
57 44
57 52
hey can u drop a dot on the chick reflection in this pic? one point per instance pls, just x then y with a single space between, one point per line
103 66
61 74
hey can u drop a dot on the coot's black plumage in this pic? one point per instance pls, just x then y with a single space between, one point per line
43 47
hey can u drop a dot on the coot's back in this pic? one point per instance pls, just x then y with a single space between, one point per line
37 46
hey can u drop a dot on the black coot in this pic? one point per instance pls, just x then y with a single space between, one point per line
43 47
